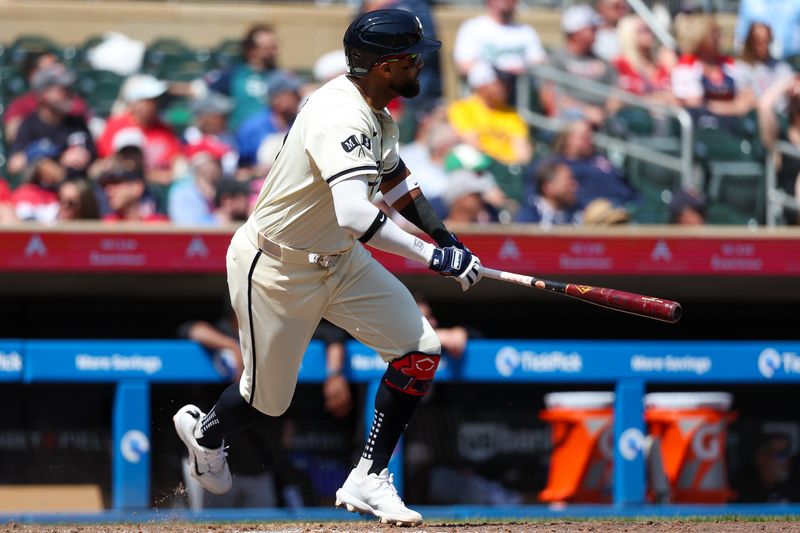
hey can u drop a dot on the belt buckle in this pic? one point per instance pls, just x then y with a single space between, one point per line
325 261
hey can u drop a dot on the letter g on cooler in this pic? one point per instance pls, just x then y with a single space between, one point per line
134 445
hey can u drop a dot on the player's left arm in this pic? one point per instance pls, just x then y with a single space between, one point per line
401 191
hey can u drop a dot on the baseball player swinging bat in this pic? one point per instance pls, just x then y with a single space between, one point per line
627 302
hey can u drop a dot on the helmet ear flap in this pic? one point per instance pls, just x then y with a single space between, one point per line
359 62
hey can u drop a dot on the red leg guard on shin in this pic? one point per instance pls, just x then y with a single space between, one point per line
412 373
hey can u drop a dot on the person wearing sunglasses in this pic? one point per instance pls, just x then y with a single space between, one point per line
300 258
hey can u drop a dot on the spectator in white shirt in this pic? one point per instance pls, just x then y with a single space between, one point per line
496 38
607 43
755 66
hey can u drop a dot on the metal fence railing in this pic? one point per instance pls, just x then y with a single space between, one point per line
682 163
777 198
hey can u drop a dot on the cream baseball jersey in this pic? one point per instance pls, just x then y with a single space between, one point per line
336 136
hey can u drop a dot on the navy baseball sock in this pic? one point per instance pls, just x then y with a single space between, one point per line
393 410
230 414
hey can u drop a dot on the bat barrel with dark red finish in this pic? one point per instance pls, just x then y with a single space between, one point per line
628 302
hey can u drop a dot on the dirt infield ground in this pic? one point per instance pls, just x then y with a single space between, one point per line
544 526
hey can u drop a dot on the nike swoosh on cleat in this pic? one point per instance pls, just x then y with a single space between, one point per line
195 414
197 470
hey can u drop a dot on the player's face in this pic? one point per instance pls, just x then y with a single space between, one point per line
405 75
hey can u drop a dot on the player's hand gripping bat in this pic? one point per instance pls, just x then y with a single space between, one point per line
627 302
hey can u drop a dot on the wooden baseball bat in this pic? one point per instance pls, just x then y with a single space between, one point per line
627 302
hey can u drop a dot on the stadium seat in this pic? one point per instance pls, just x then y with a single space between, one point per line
25 45
75 57
721 145
182 71
650 179
630 121
510 179
100 88
12 83
652 211
226 53
737 193
169 58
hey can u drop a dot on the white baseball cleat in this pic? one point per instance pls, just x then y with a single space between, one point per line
375 494
207 466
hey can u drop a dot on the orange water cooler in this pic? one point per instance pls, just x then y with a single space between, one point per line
691 428
582 435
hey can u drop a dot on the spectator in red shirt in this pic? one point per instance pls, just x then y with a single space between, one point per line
127 197
162 147
7 214
642 68
25 104
36 199
704 77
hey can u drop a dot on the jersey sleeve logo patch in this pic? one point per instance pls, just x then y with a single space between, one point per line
350 144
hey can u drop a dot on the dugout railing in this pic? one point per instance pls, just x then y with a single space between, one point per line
626 366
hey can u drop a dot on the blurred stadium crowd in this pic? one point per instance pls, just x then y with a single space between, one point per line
116 129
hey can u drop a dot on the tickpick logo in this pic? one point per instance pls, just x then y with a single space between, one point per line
771 361
134 445
631 443
768 362
506 361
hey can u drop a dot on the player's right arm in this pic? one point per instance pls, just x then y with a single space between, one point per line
355 213
340 147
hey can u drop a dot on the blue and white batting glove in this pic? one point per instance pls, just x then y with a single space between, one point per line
457 263
452 240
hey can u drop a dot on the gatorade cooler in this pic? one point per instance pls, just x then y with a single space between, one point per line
582 435
691 429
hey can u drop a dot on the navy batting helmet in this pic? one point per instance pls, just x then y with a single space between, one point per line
383 33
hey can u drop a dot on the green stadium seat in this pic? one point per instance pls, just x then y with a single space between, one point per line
75 57
630 121
510 179
172 59
747 127
187 71
227 53
720 145
12 83
26 45
737 193
650 179
651 212
100 88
